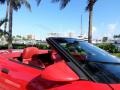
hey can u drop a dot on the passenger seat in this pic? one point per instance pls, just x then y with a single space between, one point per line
30 57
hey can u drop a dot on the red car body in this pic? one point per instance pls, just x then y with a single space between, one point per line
21 74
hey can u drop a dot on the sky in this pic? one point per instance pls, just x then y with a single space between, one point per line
47 18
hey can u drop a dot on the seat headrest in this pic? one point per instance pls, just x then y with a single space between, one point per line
29 52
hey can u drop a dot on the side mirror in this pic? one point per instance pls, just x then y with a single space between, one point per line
59 72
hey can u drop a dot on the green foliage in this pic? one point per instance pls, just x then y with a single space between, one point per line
116 54
41 46
21 46
108 47
3 47
116 36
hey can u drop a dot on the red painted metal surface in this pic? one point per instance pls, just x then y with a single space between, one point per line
82 85
59 72
18 75
57 76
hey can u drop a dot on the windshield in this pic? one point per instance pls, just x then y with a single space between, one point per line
90 56
92 53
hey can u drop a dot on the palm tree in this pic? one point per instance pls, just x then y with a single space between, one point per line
63 3
89 8
14 5
2 32
5 25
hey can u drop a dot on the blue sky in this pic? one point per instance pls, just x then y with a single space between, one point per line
49 18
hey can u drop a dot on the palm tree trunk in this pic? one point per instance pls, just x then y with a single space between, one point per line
10 26
90 27
6 16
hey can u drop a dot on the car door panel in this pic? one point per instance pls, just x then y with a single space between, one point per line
16 76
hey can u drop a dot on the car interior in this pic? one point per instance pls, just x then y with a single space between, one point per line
35 57
39 58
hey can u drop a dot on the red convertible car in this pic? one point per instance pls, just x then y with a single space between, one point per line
69 64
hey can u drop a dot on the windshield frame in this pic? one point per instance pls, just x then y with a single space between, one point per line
70 61
78 66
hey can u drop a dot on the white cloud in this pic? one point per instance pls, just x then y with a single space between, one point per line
94 29
111 28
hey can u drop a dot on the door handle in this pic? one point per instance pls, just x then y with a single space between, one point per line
5 70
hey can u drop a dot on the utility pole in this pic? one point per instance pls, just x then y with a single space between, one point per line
81 26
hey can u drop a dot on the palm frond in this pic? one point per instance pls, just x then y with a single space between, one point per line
3 21
16 4
38 2
55 1
63 3
2 1
27 4
90 5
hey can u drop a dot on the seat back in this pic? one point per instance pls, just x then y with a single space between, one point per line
28 53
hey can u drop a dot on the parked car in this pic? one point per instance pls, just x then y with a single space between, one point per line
69 64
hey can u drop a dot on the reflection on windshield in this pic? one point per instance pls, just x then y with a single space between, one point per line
92 52
85 52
